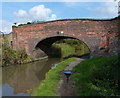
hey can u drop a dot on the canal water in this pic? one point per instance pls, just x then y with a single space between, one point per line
17 80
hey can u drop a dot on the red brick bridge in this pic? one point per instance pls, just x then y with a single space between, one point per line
101 36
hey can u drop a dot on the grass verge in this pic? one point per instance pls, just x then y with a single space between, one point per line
98 77
49 86
66 48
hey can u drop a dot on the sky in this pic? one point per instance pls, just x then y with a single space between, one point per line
23 12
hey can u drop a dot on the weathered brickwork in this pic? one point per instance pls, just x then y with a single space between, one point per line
100 36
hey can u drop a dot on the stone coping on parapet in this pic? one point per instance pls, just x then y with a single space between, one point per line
72 19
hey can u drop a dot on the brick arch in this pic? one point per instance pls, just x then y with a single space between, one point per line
64 37
45 43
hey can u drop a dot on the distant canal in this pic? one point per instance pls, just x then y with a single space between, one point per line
18 79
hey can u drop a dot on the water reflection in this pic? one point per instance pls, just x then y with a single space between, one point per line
10 91
20 78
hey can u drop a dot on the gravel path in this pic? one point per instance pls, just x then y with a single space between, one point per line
65 88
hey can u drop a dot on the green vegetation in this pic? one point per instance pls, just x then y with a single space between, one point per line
65 50
28 23
49 86
25 24
68 47
10 56
98 77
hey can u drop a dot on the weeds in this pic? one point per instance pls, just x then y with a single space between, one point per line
10 56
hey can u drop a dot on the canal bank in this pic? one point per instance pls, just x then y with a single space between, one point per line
97 77
36 59
19 79
92 77
50 86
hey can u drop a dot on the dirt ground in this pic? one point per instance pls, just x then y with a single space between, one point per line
66 86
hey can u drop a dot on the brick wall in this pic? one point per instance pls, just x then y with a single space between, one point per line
99 35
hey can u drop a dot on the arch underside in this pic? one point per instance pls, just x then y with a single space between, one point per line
46 43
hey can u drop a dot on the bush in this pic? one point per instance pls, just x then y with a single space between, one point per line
10 56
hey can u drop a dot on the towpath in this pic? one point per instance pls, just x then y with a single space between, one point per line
66 87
